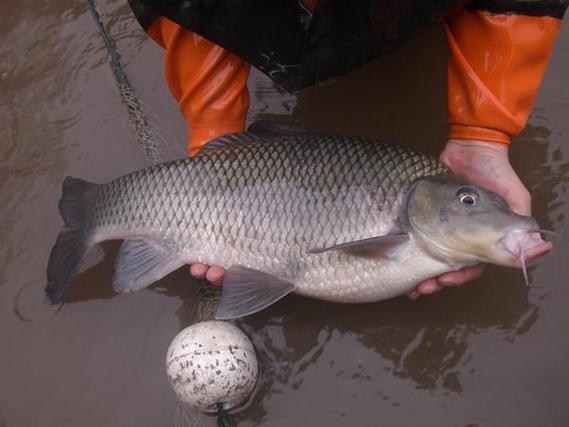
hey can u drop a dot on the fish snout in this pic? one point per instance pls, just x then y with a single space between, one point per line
536 247
524 246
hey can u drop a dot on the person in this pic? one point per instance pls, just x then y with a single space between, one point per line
498 49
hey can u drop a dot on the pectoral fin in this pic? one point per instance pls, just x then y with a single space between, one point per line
246 291
141 263
374 247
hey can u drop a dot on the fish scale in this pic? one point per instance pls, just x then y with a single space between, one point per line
264 205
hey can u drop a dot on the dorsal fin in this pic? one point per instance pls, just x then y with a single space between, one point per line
266 128
261 131
231 140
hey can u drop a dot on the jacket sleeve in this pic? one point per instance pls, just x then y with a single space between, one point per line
209 83
498 54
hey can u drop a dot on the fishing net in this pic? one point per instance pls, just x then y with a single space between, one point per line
147 133
150 137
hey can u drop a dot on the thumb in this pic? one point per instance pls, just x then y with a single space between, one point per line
517 197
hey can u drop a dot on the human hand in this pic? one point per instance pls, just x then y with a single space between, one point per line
485 164
213 274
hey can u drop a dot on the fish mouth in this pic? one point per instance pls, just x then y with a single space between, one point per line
539 250
525 246
522 247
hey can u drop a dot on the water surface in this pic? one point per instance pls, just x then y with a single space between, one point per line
493 353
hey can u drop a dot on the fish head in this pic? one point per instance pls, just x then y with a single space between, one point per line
463 224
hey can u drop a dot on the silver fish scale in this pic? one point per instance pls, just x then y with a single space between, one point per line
265 204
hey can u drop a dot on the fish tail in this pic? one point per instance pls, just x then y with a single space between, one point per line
73 243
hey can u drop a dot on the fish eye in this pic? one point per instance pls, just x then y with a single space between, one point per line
467 196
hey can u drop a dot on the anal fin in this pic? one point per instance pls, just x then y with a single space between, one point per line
246 291
141 263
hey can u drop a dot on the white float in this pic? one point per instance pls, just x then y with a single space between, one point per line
212 362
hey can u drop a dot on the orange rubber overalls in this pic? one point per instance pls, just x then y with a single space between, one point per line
498 54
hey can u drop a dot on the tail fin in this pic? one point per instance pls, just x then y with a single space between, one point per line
72 243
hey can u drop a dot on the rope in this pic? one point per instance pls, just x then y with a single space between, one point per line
222 419
147 136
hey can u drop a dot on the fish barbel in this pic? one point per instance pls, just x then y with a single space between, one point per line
337 218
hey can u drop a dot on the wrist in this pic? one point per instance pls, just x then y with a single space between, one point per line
478 133
459 153
476 145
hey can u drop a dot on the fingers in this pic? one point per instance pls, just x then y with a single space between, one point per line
198 271
459 277
519 200
453 278
414 294
512 189
214 274
427 287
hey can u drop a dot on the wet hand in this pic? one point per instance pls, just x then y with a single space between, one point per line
487 165
213 274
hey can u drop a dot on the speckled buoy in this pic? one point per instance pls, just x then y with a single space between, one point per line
212 362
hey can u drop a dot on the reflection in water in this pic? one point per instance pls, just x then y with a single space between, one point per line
431 350
267 98
547 170
468 356
30 304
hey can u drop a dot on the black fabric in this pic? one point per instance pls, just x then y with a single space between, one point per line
552 8
300 42
144 15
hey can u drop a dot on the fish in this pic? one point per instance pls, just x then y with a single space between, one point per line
289 210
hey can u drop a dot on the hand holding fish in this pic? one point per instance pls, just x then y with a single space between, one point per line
485 164
213 274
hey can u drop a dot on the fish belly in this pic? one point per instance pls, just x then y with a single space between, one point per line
349 279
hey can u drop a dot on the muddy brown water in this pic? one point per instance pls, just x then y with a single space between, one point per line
493 353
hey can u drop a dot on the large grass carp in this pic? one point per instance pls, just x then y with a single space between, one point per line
333 217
